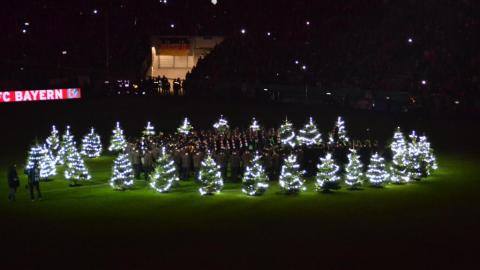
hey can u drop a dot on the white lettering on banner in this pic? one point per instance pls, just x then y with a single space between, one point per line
26 96
42 95
34 95
49 94
18 96
6 96
58 94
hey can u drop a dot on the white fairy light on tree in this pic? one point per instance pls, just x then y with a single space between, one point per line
291 178
376 173
255 180
428 162
66 145
398 147
185 128
286 134
91 144
165 174
149 130
117 142
53 144
254 126
353 170
413 157
327 177
75 167
122 177
222 125
210 177
39 155
309 135
342 132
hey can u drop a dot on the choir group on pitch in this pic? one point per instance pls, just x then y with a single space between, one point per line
255 156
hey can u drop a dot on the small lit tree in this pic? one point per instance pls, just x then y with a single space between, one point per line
254 126
413 157
210 177
47 165
255 180
222 125
149 130
376 173
327 177
39 155
185 128
398 169
291 178
117 142
428 162
353 170
287 134
309 135
75 169
53 144
165 174
66 145
122 177
91 144
342 132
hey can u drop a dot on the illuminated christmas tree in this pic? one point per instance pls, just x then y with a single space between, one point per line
66 145
287 134
185 128
255 180
413 157
309 135
91 145
222 125
210 177
428 162
149 130
254 126
398 170
53 144
117 142
47 165
39 155
291 178
75 169
342 132
327 177
376 173
122 177
353 170
165 174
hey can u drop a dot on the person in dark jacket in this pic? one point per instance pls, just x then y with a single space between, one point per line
34 181
13 182
235 167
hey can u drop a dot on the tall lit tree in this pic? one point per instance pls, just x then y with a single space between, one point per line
53 144
122 177
149 130
185 128
286 134
210 177
117 142
309 134
353 170
47 165
39 155
222 125
66 145
342 132
376 173
428 162
91 144
255 180
291 178
75 169
399 168
165 174
327 177
254 126
413 157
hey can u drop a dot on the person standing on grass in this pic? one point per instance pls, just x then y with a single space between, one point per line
13 182
34 181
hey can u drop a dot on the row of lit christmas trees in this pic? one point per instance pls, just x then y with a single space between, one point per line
411 160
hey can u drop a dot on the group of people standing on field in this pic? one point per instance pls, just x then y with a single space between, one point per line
233 151
33 182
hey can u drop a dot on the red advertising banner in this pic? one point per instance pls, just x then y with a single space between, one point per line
40 95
